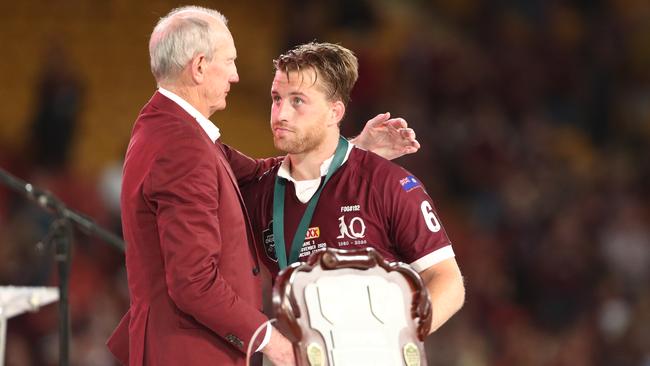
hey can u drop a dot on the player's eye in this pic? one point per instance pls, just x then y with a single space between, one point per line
276 99
297 101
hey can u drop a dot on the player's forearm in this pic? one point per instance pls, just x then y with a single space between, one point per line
446 299
279 350
447 292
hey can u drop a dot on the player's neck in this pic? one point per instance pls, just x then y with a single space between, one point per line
306 166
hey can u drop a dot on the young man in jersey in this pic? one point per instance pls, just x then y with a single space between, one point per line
366 200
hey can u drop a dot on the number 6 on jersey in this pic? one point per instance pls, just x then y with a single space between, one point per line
429 217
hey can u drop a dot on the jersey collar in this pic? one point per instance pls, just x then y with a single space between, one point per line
283 172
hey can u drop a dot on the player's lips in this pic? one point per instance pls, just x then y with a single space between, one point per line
280 131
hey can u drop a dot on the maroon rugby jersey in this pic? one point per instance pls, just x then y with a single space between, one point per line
369 201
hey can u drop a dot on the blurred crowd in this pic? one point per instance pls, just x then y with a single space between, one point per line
534 120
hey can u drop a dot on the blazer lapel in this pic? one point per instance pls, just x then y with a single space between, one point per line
162 102
221 155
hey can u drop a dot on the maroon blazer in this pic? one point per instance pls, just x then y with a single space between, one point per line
190 258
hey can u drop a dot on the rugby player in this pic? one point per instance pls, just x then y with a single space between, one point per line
366 201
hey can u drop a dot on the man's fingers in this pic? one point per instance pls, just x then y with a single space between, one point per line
407 133
379 119
410 150
396 123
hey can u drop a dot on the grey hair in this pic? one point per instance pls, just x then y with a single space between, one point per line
175 40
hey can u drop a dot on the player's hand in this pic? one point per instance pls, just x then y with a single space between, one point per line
279 350
387 137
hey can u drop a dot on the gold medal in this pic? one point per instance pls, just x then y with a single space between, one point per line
411 354
315 355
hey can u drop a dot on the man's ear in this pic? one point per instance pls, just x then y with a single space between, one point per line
337 112
197 68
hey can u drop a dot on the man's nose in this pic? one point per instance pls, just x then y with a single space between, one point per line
282 111
234 77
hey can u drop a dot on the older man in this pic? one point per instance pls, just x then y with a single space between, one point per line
191 261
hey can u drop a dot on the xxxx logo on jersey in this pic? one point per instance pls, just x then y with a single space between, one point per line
312 233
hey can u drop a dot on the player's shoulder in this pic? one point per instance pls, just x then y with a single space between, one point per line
372 165
382 172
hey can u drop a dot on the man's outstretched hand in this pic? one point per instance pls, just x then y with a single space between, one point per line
387 137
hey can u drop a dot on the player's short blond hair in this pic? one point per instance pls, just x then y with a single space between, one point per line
336 65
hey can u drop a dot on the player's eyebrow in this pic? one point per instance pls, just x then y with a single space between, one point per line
294 93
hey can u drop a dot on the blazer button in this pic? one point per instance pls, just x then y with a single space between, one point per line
256 271
235 341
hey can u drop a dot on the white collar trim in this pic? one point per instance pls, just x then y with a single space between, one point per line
305 189
210 128
283 172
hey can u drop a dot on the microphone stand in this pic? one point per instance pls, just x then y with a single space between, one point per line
60 234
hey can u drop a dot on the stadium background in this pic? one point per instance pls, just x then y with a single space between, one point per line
534 116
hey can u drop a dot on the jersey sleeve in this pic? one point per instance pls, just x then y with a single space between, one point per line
415 228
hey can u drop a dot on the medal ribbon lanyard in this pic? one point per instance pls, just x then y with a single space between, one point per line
278 210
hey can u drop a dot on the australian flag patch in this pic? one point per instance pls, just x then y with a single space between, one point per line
409 183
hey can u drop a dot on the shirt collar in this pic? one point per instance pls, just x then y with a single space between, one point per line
210 129
283 172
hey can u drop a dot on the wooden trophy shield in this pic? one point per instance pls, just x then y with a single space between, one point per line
351 307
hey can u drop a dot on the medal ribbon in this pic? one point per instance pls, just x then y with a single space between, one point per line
278 210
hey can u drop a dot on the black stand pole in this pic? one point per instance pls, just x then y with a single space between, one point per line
62 239
61 234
